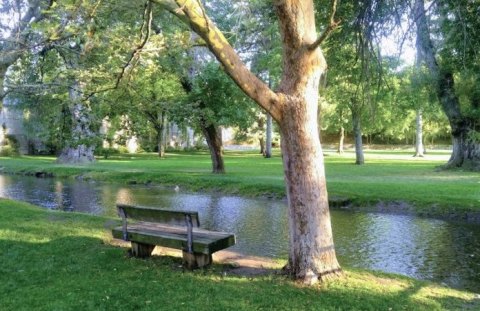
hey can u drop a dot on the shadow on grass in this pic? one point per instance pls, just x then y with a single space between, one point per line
83 273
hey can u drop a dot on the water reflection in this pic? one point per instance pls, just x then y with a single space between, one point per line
418 247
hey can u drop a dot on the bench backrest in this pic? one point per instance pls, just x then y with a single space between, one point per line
150 214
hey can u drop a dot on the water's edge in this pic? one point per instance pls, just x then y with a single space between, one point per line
395 207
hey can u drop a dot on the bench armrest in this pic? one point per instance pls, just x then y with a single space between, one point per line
122 214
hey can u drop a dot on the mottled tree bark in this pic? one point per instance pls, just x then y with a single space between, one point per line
79 149
312 252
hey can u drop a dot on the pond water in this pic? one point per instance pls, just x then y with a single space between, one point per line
423 248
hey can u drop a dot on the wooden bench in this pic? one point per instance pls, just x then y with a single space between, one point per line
169 228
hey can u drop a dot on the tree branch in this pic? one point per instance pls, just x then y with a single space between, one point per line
192 13
330 28
145 32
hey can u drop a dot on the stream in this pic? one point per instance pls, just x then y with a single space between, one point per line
423 248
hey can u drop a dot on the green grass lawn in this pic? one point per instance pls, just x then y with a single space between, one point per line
387 176
67 261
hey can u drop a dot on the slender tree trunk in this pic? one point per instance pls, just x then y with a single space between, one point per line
160 129
341 140
213 135
167 137
261 142
268 147
465 131
419 149
261 138
357 134
79 149
160 142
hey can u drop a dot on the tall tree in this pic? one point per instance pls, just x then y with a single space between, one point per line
442 64
294 106
217 102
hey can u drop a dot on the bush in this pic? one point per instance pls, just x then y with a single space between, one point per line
122 149
10 146
8 151
106 152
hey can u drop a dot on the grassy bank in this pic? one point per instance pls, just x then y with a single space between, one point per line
66 261
387 176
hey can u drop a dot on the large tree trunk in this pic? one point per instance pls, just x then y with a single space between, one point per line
465 149
357 135
268 143
79 149
419 149
312 252
213 135
466 145
294 106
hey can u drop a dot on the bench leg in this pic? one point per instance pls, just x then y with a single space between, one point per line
196 260
142 250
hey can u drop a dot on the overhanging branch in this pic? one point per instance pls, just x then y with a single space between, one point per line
145 32
332 25
192 13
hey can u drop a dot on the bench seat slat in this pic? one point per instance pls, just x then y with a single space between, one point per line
206 242
198 232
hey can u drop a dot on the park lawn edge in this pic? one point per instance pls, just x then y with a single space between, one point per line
68 261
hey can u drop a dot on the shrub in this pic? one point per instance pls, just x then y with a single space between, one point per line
8 151
106 152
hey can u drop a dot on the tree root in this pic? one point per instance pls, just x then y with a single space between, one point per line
312 278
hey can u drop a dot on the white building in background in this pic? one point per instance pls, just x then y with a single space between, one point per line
131 143
174 137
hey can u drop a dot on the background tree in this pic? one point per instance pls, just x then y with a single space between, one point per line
456 44
357 69
218 102
152 94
